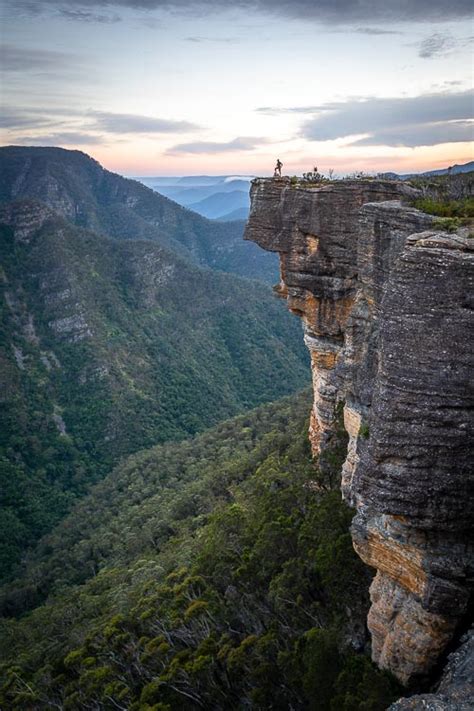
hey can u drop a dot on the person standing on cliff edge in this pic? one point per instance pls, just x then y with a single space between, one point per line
278 167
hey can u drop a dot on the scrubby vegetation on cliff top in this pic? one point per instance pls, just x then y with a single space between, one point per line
448 197
446 208
217 573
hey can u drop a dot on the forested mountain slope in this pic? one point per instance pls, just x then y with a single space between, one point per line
78 188
109 346
217 573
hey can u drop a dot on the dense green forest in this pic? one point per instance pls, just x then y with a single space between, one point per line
108 347
210 574
150 563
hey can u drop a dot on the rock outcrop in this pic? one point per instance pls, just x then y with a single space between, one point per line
455 690
387 306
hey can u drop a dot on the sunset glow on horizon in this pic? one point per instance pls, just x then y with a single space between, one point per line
160 88
121 160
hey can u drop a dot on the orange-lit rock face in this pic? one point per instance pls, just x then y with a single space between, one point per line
314 434
402 562
321 316
322 415
386 323
403 632
281 289
352 424
323 361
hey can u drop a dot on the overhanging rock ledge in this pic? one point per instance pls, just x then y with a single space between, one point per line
388 311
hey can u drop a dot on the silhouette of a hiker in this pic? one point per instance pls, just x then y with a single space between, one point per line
278 167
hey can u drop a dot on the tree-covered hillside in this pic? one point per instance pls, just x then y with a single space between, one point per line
217 573
144 571
77 187
111 346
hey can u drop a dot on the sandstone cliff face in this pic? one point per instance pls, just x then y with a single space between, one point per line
455 690
387 308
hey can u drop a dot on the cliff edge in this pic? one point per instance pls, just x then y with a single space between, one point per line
388 311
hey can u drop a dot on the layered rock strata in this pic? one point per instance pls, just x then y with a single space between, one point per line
387 307
455 689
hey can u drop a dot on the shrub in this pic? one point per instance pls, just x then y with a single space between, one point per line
447 224
446 208
364 430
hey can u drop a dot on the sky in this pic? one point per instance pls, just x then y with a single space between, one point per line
186 87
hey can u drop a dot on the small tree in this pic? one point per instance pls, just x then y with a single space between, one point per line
313 176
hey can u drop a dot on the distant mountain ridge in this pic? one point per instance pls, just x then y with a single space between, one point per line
240 214
78 188
189 195
453 170
216 206
191 180
206 194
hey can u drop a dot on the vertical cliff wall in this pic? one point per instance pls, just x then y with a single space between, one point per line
388 316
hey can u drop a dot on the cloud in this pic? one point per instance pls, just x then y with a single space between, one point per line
96 121
337 12
85 16
224 40
237 144
373 31
421 120
20 59
13 118
66 138
436 45
364 30
429 134
277 110
131 123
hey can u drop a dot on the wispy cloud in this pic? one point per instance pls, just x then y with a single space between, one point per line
243 143
21 59
221 40
86 16
66 138
413 121
436 45
132 123
66 123
12 118
362 30
374 31
277 110
428 134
